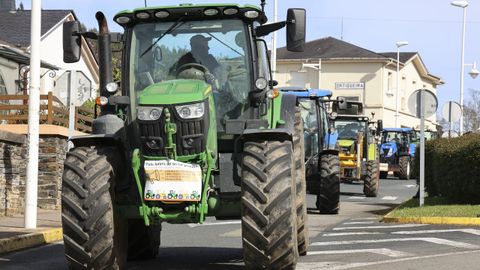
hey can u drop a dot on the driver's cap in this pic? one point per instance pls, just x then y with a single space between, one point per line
199 39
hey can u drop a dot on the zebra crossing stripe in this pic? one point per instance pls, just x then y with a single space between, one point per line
350 233
379 251
433 240
379 227
471 231
358 222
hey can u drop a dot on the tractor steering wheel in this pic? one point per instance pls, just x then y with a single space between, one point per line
196 66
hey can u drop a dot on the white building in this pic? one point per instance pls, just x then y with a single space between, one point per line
359 74
15 36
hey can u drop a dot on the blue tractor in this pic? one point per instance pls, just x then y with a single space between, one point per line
397 151
322 164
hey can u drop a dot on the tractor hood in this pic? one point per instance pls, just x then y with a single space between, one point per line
175 92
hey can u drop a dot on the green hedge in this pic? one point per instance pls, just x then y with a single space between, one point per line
452 168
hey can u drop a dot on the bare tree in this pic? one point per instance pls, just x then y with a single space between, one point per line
471 111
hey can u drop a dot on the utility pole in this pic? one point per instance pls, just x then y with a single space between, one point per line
31 193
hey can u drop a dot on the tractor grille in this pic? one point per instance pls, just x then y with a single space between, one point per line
385 151
190 138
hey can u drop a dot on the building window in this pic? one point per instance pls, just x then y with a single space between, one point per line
389 83
3 86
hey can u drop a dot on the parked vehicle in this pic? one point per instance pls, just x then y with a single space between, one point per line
189 135
359 159
321 152
397 152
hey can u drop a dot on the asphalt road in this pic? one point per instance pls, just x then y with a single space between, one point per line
353 239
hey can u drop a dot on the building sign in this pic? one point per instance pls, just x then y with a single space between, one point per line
349 85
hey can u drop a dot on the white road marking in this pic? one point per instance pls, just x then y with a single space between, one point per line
356 198
350 233
471 231
358 222
365 218
215 223
389 198
410 186
343 266
380 251
433 240
379 227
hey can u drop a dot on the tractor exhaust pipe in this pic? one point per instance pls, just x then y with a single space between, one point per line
105 61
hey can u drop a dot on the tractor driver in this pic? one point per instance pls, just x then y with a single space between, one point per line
198 55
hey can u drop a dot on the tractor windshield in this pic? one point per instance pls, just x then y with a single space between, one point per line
349 129
396 137
212 50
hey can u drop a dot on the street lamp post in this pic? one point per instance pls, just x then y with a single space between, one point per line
464 5
399 44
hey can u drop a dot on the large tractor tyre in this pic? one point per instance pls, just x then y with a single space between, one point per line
94 237
383 175
269 228
301 186
404 164
143 241
371 181
328 199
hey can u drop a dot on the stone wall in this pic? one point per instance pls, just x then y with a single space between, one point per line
13 167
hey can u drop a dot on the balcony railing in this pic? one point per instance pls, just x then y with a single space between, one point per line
14 110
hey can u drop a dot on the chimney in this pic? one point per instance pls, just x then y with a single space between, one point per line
7 5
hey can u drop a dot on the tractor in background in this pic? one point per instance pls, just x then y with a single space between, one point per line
321 151
188 136
397 151
359 159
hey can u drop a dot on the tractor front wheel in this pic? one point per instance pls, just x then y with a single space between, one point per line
371 181
269 228
328 199
143 241
404 163
94 237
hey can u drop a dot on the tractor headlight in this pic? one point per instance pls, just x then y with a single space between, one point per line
149 113
191 111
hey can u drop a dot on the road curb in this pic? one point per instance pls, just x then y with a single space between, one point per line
30 240
433 220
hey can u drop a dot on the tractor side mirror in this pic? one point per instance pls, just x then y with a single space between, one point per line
71 42
296 22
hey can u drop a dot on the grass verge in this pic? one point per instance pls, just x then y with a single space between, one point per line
435 207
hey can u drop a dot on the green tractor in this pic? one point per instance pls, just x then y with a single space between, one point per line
192 133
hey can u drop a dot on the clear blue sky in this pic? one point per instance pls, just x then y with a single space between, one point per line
432 28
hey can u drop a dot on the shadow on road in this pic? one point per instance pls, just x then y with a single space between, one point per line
193 258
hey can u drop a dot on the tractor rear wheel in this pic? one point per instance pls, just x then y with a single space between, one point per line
371 181
94 237
301 187
404 163
143 241
328 199
269 228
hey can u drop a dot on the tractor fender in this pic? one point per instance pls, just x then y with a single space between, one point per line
287 112
268 134
97 139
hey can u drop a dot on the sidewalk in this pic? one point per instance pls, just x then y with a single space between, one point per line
13 235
